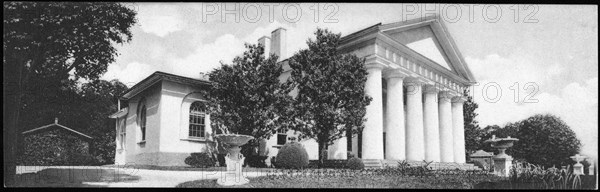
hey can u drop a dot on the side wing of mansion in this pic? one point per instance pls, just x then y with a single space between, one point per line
416 76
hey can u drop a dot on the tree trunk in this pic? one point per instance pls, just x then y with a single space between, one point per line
322 147
12 105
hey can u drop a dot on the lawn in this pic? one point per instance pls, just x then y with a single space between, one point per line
361 179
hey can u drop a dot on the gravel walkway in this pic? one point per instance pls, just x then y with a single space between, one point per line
99 176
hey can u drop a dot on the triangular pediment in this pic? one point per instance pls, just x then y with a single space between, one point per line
430 38
423 41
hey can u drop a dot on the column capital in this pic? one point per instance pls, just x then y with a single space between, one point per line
445 95
375 65
394 73
459 99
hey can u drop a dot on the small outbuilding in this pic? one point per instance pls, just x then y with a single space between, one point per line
55 144
483 159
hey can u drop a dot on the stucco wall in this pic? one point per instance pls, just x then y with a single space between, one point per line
136 152
175 105
120 150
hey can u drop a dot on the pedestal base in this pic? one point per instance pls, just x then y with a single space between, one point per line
231 179
578 169
502 166
234 175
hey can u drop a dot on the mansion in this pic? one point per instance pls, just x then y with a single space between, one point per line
416 77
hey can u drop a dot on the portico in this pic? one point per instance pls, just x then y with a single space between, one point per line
417 97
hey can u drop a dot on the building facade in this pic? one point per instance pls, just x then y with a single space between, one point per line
416 77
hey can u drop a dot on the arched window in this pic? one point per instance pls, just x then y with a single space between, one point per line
143 122
142 117
197 117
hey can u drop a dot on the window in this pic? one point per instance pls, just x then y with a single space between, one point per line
122 132
197 117
143 122
281 136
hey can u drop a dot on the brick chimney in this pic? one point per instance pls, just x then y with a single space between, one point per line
265 41
278 43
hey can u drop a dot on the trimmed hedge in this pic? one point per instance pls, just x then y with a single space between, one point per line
292 156
355 163
329 163
201 160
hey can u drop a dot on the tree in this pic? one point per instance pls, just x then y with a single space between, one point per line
58 39
247 97
84 108
546 140
331 99
473 133
543 140
99 100
486 134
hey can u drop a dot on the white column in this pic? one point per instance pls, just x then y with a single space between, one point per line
395 130
458 129
372 137
446 137
338 150
431 124
414 122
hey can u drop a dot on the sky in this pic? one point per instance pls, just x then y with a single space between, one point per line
526 60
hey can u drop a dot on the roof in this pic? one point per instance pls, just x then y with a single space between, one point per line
159 76
119 113
55 124
481 153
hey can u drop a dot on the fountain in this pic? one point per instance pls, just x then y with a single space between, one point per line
502 161
578 167
234 159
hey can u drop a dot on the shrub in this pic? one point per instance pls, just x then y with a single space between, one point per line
83 159
329 163
273 161
355 163
292 155
349 154
482 164
200 160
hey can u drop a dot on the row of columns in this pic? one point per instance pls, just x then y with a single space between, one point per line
433 129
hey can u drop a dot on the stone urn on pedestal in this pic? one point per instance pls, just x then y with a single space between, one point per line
578 167
234 159
502 161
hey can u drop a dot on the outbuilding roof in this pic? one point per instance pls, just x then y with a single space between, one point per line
55 124
481 153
